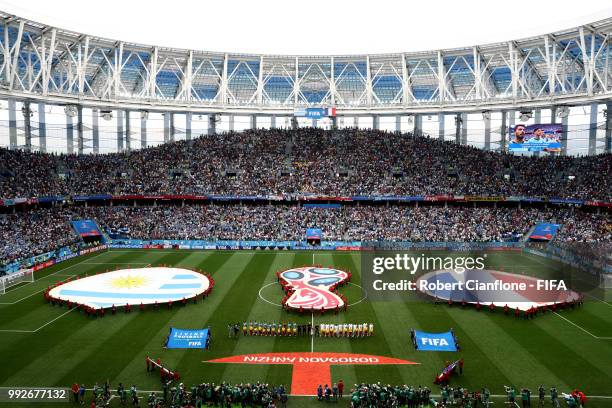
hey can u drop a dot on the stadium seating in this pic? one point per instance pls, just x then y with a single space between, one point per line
311 161
348 162
41 230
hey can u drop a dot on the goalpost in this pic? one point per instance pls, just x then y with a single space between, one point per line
15 278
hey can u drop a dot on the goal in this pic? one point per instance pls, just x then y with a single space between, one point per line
15 278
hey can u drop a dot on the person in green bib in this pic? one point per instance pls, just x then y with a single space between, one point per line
510 394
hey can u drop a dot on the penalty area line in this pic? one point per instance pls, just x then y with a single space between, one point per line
41 327
114 263
583 329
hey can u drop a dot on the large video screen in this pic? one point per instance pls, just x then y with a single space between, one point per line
535 138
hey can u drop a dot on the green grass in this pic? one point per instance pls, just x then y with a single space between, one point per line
498 350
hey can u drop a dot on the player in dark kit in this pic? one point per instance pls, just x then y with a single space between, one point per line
541 395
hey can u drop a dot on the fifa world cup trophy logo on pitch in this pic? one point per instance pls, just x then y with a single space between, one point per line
313 287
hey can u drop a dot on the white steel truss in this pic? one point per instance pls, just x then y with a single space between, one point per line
40 62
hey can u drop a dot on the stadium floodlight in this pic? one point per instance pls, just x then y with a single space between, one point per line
15 278
144 114
563 111
70 110
486 115
525 116
106 114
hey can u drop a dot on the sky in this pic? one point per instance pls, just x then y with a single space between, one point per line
311 26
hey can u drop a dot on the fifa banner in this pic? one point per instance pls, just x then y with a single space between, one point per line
184 339
435 341
535 138
544 232
314 113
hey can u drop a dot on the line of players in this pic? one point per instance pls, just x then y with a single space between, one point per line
319 330
346 330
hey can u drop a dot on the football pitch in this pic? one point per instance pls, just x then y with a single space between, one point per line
50 346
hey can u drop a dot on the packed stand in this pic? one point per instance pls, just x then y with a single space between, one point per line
32 233
306 161
281 222
40 230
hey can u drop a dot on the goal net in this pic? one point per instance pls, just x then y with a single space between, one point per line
606 281
15 278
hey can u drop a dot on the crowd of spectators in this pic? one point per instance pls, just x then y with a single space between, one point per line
26 234
39 230
348 223
306 161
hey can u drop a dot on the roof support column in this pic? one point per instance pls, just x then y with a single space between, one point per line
418 125
168 126
487 130
593 129
212 123
27 125
12 112
188 125
42 128
95 130
120 134
143 131
80 129
504 130
464 129
69 135
441 126
128 131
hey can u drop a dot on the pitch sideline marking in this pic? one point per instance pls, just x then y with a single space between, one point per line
52 274
583 329
41 327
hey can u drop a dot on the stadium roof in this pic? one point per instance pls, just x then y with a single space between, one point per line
38 61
